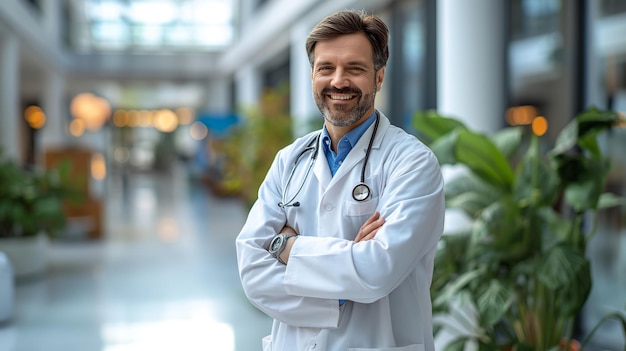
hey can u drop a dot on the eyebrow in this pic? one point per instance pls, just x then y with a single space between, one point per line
350 63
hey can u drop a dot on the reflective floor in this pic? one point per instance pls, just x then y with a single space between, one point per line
164 278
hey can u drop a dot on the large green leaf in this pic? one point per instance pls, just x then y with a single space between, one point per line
608 200
507 140
566 273
480 155
493 302
432 126
537 183
562 268
567 139
594 120
470 194
555 228
584 192
444 147
456 286
583 130
499 234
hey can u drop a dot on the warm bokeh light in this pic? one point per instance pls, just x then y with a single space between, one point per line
133 118
145 118
520 115
120 118
35 117
185 115
91 109
540 125
98 167
165 121
198 131
77 127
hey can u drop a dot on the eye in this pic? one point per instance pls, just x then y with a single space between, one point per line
356 70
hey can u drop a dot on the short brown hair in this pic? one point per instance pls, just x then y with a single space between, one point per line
350 22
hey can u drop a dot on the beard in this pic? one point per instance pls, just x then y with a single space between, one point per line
342 115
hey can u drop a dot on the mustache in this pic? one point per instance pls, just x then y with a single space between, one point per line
348 90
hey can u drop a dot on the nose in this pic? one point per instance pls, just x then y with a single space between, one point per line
340 80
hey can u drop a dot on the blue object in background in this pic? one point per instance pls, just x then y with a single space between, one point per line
218 124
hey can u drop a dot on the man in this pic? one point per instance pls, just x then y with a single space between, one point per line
339 247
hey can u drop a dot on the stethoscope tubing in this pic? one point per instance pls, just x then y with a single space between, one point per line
360 192
283 202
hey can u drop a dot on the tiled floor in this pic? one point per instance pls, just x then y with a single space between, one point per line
165 278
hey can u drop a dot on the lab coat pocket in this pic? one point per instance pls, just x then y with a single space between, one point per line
358 209
414 347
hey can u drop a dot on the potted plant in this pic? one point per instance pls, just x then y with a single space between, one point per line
250 149
31 210
519 270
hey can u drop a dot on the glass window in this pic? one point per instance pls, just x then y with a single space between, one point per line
607 250
407 69
540 67
154 25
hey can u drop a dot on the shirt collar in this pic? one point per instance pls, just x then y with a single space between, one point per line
352 136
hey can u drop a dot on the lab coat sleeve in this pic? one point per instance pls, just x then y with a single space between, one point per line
412 203
262 275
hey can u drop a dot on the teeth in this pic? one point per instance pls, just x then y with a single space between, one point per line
341 97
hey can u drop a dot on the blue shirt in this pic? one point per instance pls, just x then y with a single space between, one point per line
343 148
345 144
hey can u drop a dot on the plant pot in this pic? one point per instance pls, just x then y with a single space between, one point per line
28 255
573 345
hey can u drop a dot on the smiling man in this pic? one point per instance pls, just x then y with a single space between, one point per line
339 246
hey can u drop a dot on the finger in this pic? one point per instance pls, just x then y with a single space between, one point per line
372 218
364 228
369 230
369 236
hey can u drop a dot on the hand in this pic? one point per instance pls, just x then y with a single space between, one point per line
287 230
287 250
369 229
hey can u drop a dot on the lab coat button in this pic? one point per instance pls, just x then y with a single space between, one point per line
329 207
312 345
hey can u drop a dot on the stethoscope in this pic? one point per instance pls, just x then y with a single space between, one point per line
360 192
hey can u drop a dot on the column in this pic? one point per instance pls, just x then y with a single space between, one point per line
303 109
53 134
471 77
248 87
10 131
52 20
472 62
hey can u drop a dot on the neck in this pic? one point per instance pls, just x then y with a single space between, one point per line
338 132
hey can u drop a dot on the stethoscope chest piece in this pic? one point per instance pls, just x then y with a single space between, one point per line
361 192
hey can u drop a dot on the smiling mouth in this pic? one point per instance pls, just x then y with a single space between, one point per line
341 97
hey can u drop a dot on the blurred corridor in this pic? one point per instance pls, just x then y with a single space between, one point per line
165 278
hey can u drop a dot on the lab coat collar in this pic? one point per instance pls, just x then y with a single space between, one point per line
321 170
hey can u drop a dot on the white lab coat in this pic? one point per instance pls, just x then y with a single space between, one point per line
386 280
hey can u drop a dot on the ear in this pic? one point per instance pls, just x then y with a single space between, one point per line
380 77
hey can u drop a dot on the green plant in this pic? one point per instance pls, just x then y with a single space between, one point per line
520 268
31 202
251 148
